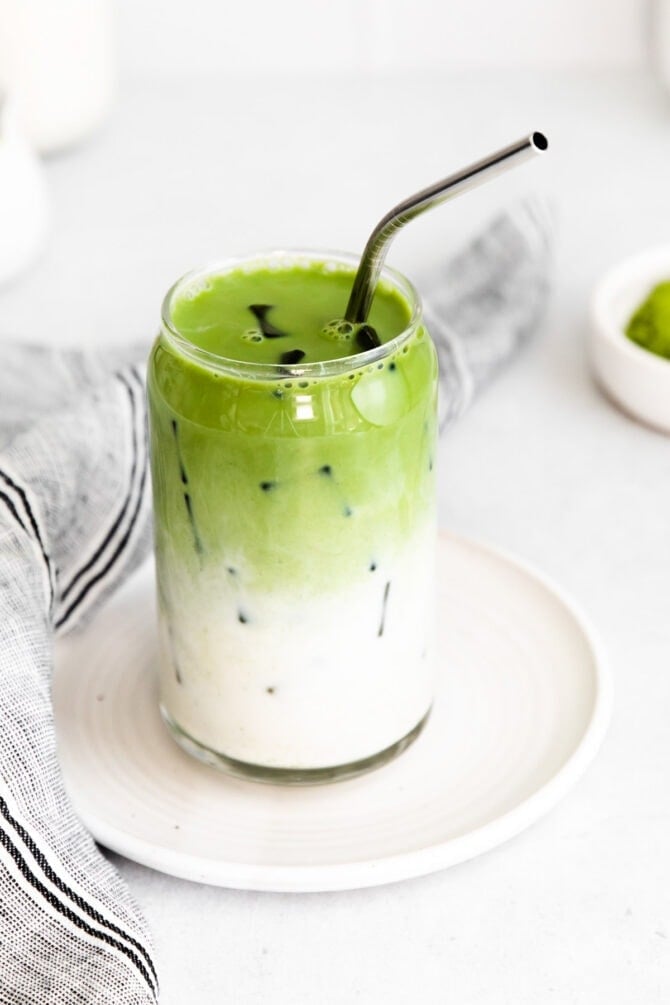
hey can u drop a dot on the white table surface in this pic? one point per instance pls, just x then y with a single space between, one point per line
576 910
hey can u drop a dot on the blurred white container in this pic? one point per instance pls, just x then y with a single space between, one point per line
637 380
57 60
23 199
660 40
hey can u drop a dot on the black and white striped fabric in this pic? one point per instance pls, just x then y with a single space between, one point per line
482 305
74 522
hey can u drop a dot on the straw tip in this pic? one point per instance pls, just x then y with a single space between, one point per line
539 141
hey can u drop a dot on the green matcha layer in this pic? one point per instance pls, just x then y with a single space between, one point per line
283 315
298 477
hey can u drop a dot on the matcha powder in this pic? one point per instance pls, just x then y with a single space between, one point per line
650 324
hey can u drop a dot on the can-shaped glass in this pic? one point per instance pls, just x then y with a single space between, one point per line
294 514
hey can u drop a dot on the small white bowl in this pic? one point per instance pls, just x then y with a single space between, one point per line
634 378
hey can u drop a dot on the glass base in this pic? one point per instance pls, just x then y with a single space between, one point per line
288 776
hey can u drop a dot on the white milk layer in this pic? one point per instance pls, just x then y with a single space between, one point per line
297 679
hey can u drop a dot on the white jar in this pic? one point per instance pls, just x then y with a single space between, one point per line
57 60
23 198
660 37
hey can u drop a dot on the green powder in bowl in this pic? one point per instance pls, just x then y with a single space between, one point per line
649 326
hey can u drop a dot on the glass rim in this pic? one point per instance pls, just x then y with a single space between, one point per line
282 371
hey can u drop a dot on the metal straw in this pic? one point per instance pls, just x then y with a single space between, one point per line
375 251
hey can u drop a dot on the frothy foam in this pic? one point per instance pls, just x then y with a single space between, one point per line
252 335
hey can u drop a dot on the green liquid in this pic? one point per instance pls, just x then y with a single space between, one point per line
281 471
297 306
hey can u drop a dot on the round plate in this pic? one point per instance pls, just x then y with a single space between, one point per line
522 705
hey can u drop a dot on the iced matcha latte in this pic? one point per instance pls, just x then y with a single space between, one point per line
292 457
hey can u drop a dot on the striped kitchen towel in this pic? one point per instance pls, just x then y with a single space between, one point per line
74 523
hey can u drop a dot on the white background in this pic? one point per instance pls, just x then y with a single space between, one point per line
204 36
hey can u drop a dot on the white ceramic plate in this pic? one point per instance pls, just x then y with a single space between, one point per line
522 706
